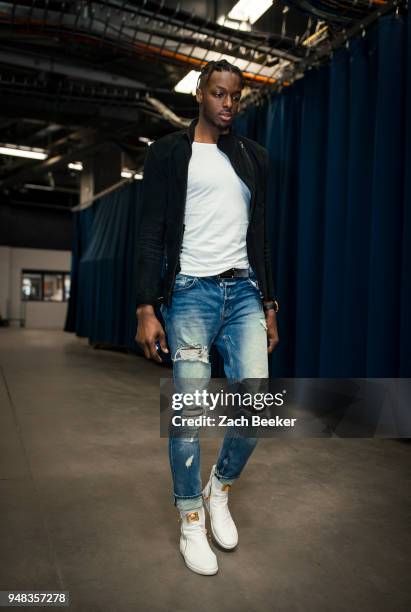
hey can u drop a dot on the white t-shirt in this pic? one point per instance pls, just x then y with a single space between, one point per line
216 214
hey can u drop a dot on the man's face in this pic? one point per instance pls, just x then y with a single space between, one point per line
219 98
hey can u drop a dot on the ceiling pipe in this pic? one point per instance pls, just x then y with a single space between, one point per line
168 114
39 63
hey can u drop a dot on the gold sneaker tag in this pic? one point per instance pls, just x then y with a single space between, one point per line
226 487
192 516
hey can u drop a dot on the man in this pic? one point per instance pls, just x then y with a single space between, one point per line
204 257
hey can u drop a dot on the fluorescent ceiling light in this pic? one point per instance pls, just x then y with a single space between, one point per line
234 25
188 84
40 187
249 10
75 166
131 174
17 151
145 140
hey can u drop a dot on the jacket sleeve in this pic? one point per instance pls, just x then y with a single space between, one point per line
150 245
271 293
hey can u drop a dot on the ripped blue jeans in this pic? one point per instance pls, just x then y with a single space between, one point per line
229 314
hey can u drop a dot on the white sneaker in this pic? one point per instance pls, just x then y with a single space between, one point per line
215 495
194 545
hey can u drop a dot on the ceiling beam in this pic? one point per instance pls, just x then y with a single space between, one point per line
32 169
50 65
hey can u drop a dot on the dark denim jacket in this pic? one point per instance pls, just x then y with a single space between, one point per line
162 219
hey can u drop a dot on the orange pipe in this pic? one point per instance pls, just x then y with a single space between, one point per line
199 63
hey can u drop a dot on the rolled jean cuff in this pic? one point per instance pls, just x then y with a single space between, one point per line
228 481
187 504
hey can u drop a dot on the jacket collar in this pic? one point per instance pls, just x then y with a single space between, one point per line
222 139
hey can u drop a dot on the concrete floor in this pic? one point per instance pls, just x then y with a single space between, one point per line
325 525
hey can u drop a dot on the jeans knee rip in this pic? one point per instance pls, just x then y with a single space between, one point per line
195 352
189 461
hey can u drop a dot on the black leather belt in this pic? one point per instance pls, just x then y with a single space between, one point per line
234 273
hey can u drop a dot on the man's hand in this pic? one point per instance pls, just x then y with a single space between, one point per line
272 332
150 331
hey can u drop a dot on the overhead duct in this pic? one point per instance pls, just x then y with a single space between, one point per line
168 114
46 64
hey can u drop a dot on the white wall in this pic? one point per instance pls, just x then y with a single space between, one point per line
4 279
42 315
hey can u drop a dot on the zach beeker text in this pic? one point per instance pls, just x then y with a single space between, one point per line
224 421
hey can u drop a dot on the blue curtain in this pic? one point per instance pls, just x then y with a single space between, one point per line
339 215
82 233
339 209
103 286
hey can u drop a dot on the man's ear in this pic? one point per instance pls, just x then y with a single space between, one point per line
199 95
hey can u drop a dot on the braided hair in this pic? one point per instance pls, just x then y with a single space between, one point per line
219 65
